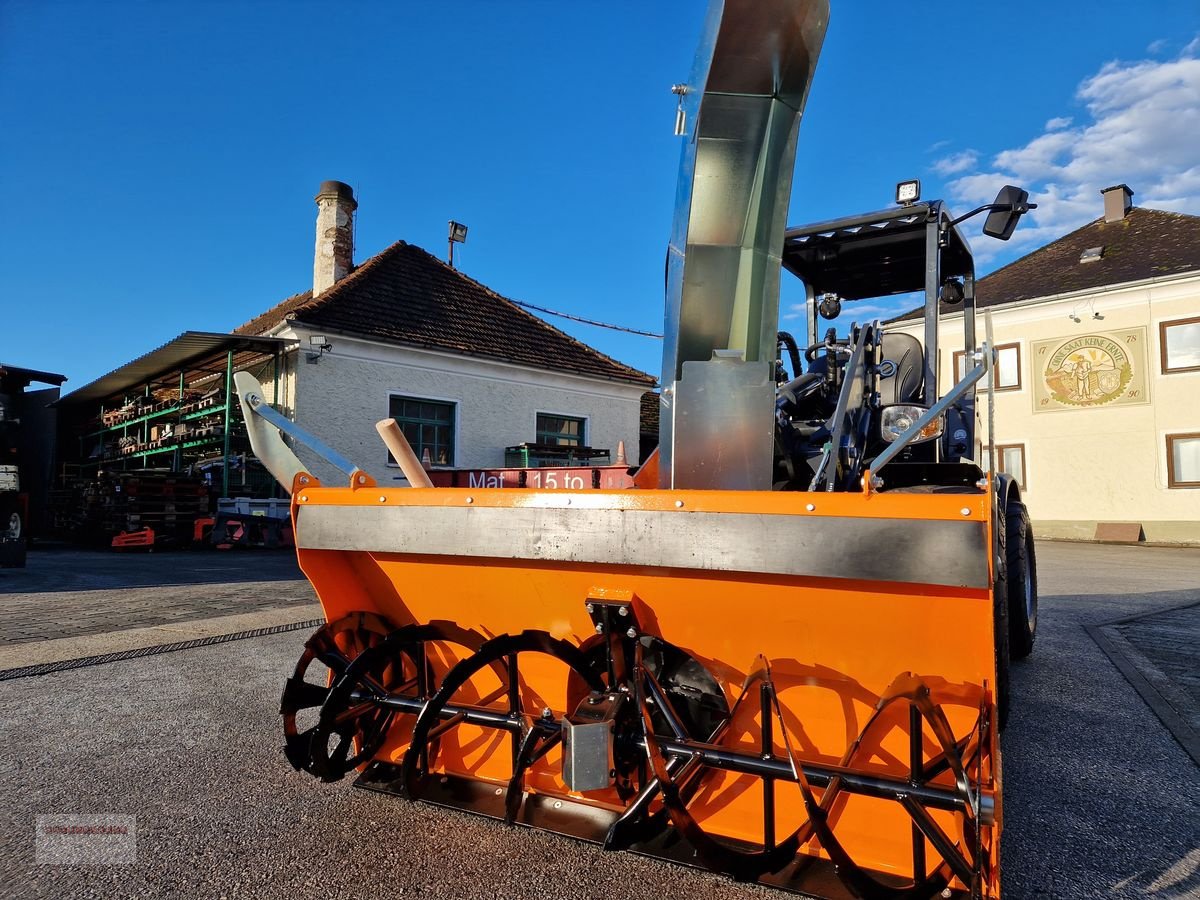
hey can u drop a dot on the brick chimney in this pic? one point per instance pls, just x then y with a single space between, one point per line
334 257
1118 200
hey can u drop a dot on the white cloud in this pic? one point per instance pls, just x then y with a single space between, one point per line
1192 47
1140 129
1156 47
956 162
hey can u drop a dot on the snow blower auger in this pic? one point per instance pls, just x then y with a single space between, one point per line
784 655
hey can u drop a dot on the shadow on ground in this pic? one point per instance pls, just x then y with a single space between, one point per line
59 568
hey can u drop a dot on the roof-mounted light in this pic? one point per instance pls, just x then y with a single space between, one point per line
908 192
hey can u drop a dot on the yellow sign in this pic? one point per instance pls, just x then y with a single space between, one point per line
1090 370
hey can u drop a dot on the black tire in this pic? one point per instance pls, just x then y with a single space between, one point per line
1022 581
1000 625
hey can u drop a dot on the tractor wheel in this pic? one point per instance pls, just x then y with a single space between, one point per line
1001 628
1022 581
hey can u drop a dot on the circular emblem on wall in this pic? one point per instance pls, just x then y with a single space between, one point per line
1088 371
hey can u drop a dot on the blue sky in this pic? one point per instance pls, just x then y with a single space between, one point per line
160 159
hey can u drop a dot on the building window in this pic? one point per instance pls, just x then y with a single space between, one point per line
1179 343
1183 460
428 425
561 431
1011 459
1007 374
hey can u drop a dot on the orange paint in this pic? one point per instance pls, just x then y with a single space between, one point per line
834 645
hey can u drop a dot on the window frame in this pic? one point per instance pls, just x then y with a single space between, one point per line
1164 364
454 426
584 423
998 450
1013 345
1174 483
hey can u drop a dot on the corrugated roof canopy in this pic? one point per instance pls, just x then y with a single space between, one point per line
183 352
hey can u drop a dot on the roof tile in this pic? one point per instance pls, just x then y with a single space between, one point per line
407 296
1147 243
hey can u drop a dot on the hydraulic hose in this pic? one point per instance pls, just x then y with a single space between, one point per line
786 340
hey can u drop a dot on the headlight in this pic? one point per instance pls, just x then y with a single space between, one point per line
898 419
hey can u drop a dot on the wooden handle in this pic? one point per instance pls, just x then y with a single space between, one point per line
402 451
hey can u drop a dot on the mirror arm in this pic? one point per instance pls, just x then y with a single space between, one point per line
991 207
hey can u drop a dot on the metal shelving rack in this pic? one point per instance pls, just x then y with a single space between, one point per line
195 361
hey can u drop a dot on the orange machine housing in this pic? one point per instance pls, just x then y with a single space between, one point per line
834 641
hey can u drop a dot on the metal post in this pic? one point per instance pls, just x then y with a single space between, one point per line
810 307
933 282
764 700
916 764
177 455
967 405
275 486
228 406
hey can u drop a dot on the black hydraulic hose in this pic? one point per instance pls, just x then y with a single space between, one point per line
786 340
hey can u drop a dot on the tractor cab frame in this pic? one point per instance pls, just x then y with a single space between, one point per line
838 417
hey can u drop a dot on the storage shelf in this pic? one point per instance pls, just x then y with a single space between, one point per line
142 454
217 410
201 413
154 415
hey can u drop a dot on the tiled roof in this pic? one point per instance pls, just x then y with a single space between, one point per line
276 314
405 295
648 422
1147 243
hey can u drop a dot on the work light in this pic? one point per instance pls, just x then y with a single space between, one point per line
908 192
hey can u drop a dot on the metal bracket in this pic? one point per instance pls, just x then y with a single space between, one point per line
613 617
587 742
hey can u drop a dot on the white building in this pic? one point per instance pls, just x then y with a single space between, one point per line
465 371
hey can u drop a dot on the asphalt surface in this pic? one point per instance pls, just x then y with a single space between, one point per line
1100 801
65 593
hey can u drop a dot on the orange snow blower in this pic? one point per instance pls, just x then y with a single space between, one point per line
783 656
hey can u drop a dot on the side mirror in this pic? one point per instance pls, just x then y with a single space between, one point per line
1010 204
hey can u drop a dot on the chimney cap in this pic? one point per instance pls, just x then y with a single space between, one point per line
338 189
1116 187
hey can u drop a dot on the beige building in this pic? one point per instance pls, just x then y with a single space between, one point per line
1097 392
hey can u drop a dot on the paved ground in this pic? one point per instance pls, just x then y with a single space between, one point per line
71 593
1100 799
1168 640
